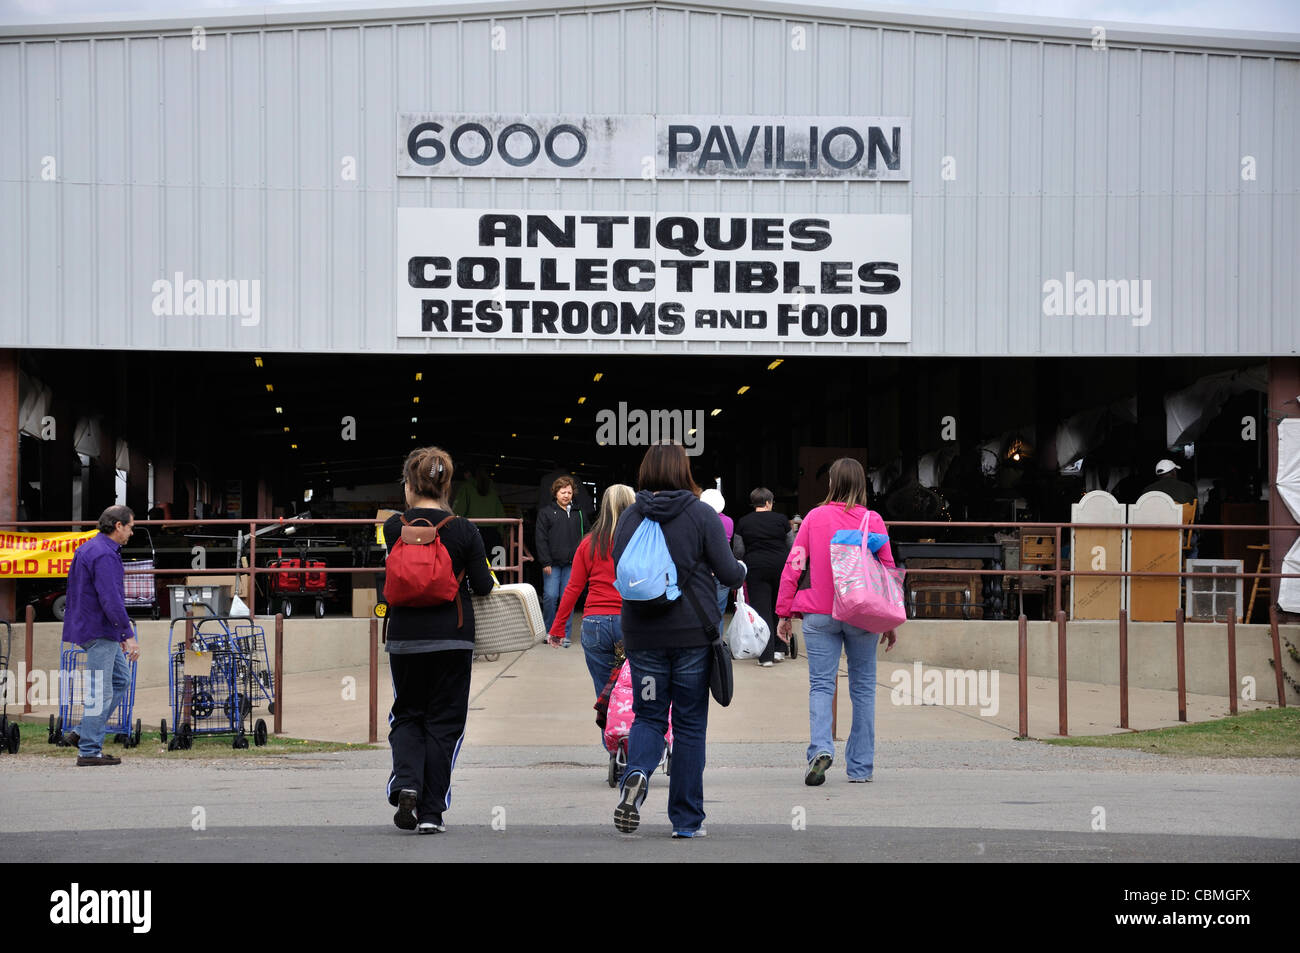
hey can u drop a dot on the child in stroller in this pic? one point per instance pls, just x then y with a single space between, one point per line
614 716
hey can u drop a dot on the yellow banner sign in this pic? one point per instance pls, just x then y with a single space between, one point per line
38 555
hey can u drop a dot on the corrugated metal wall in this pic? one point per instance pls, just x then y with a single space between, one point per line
227 163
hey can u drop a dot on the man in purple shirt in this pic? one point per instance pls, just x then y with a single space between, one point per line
96 620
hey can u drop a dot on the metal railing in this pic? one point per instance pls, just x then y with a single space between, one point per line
516 559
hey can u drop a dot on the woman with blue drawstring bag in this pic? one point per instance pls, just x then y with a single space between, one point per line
668 547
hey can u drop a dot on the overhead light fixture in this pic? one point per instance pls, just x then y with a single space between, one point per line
415 400
715 412
286 429
415 420
306 496
556 437
419 375
514 435
568 420
279 410
582 400
598 376
270 388
743 389
775 364
692 432
257 361
293 446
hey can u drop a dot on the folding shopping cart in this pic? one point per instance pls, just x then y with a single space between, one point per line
211 682
8 730
75 690
139 581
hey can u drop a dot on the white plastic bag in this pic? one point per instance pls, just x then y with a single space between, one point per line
747 635
238 607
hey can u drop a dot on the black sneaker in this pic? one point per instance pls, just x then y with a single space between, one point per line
72 739
627 816
405 816
817 770
96 761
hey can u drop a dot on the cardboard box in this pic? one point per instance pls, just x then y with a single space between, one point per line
379 527
229 581
363 603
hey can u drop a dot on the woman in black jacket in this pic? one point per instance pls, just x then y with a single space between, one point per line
431 649
668 648
765 536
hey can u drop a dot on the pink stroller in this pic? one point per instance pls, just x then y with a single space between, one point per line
616 717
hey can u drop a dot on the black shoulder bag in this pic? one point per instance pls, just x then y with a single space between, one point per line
721 681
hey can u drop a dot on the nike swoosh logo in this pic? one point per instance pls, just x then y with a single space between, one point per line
637 582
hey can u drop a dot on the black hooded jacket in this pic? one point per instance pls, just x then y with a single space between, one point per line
698 545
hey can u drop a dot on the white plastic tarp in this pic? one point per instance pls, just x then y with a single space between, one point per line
1288 464
1188 411
1288 592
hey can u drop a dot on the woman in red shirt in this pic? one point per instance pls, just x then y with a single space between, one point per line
593 566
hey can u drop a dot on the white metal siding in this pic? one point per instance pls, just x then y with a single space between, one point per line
228 163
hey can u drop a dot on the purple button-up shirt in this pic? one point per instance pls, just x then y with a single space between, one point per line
96 606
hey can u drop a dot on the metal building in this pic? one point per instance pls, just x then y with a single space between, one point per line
1045 189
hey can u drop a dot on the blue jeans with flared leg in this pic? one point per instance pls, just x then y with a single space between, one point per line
824 638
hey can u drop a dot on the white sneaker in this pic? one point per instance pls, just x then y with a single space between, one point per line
765 664
778 656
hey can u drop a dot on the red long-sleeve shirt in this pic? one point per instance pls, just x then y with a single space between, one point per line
602 599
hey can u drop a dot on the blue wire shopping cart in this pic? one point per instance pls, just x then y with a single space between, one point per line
75 690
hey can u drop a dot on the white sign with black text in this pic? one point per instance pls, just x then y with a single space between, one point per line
731 277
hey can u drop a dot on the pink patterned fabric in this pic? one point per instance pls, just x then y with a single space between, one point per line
619 718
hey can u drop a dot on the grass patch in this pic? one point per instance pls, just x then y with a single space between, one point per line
34 742
1272 733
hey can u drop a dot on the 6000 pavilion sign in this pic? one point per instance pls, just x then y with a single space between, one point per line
473 273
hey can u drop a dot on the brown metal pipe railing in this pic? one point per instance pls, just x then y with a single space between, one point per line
1024 675
515 566
279 674
1179 622
29 625
374 681
1232 663
1123 668
1061 683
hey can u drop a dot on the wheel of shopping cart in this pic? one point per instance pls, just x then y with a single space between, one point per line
137 734
793 651
613 770
186 736
286 608
50 739
668 762
259 733
58 731
240 742
162 732
246 707
320 608
203 705
14 737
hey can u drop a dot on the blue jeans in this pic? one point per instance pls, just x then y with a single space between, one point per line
599 633
824 638
723 593
680 678
108 677
553 584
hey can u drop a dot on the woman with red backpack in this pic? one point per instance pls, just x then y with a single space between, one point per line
435 560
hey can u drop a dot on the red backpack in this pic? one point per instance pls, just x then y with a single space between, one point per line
418 571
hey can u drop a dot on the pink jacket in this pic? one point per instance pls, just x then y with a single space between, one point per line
813 544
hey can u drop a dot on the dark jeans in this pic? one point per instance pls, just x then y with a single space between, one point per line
427 726
680 678
763 587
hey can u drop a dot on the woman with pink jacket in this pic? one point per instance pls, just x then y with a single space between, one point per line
808 590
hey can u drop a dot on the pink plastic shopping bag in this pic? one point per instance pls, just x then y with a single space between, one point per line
868 594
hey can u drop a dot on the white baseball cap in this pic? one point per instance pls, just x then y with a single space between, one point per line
1166 466
714 499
